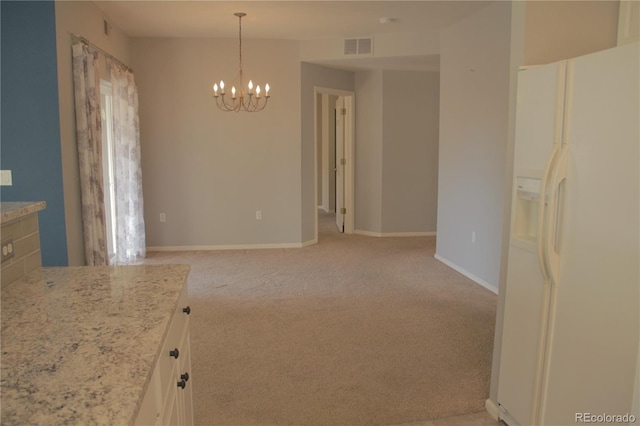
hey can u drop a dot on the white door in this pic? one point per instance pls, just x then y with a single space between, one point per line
340 162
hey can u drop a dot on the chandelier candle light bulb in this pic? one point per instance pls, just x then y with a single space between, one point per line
248 103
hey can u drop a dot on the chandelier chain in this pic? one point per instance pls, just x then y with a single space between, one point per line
240 46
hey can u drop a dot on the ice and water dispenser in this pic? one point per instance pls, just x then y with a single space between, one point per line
527 203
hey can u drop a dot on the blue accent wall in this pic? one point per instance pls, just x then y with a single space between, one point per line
30 126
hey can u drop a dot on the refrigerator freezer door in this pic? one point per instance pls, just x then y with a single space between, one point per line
517 387
594 323
540 97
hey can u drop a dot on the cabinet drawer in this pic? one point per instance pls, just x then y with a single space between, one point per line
174 341
185 395
170 415
177 408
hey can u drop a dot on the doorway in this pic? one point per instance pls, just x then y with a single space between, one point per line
334 162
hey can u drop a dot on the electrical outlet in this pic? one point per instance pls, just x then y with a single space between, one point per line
7 250
258 214
163 217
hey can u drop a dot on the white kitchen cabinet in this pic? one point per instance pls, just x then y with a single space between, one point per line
168 399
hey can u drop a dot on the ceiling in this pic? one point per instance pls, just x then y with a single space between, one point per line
291 20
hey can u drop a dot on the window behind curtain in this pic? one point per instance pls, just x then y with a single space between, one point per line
108 162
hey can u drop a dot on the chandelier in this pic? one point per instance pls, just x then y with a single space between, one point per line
242 99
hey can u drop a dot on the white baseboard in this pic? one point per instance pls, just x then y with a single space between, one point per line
309 243
394 234
478 280
232 247
492 409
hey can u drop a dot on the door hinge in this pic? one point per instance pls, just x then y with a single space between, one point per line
343 111
343 161
343 210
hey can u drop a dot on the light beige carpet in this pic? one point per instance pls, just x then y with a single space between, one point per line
354 330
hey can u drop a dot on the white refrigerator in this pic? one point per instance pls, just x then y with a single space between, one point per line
571 324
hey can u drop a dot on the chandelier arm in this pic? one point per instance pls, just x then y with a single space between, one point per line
221 104
258 104
241 103
224 106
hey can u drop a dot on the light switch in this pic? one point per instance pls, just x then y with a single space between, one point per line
5 178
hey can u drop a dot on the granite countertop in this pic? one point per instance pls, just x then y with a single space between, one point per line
79 343
17 209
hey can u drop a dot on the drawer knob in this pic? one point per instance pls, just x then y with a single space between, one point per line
174 353
186 310
185 377
182 384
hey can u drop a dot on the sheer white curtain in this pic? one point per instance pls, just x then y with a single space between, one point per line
128 221
130 236
89 140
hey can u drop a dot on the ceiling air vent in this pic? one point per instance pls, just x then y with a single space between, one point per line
358 46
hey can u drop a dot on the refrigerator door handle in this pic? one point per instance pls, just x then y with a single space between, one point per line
554 208
542 214
550 168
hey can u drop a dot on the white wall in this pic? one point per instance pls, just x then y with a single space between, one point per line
81 19
396 152
209 170
474 111
410 111
368 152
635 402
